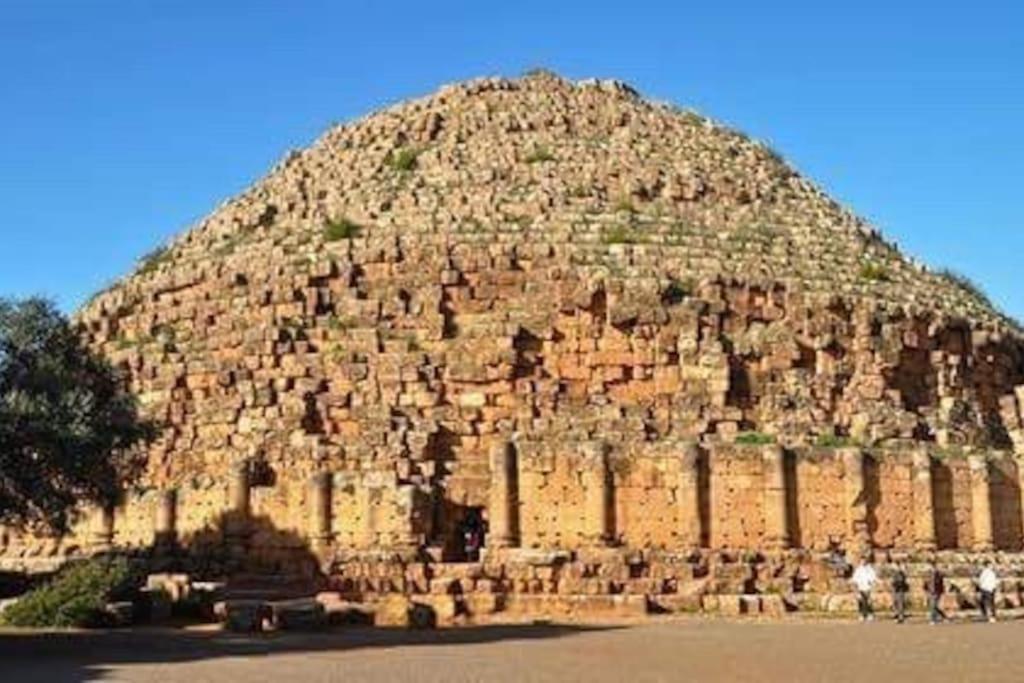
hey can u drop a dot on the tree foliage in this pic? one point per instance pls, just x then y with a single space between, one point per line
67 427
76 596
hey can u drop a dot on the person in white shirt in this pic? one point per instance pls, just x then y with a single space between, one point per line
988 584
864 579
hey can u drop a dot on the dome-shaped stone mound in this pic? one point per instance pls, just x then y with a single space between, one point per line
559 270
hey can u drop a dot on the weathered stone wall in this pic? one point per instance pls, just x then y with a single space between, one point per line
1007 517
552 496
820 515
953 504
889 481
585 495
736 495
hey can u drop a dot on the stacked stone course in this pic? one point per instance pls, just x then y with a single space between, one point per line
560 315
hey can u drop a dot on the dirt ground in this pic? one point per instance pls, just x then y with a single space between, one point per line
698 650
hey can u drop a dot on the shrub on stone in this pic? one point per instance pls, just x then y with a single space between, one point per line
76 596
754 439
676 291
834 441
404 160
625 205
620 234
969 286
539 155
342 229
153 260
874 272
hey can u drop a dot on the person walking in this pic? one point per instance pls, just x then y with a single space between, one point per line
934 587
864 579
900 591
988 584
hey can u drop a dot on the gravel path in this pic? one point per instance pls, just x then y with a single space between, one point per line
662 651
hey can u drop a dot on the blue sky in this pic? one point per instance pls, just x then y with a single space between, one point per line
121 123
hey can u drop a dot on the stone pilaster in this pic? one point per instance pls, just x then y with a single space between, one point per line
320 531
688 497
598 499
236 522
503 508
981 503
1018 460
166 522
102 536
370 500
776 533
855 490
924 504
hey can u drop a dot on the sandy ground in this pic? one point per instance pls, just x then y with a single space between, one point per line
698 650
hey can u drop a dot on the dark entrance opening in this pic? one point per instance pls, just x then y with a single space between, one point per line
470 535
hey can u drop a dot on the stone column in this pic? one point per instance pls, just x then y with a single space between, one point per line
371 498
103 528
236 523
503 507
981 504
320 532
776 534
598 494
1019 463
688 497
859 539
924 504
166 523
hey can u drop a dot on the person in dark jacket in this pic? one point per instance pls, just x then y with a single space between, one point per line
934 587
472 530
900 592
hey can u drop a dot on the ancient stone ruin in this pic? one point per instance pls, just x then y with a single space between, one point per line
635 343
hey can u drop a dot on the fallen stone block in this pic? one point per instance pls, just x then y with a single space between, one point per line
305 614
772 605
392 611
242 616
676 603
845 603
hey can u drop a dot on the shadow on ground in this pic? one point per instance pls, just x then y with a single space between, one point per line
72 656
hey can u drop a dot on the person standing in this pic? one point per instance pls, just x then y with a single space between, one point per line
988 584
900 591
934 587
864 579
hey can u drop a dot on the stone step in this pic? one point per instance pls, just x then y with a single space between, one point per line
303 614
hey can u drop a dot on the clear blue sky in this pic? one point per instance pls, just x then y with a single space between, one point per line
121 123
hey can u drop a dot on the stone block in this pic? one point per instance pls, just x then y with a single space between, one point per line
393 611
242 616
307 614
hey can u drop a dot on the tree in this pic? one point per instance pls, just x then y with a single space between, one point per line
67 427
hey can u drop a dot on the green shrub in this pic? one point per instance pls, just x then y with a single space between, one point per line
625 205
404 160
620 234
951 452
874 272
676 291
754 439
151 261
966 284
342 229
75 596
834 441
539 72
539 154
